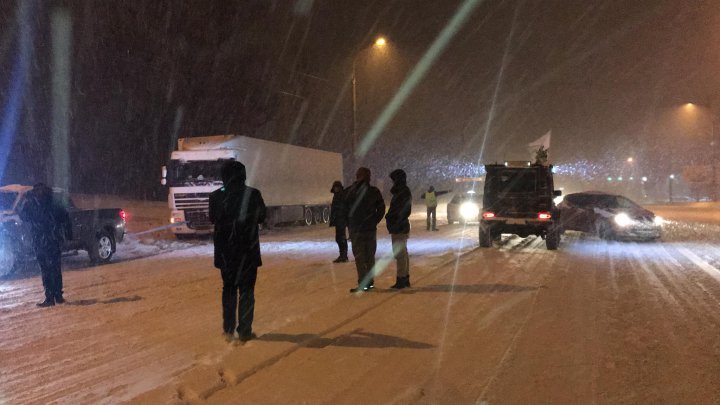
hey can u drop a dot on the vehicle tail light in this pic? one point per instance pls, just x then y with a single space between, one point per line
488 215
123 215
544 215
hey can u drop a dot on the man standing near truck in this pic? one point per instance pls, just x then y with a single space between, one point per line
430 198
50 226
366 208
398 224
236 210
338 220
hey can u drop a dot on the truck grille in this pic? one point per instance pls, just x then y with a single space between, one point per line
195 206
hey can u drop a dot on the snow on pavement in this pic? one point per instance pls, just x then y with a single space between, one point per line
596 321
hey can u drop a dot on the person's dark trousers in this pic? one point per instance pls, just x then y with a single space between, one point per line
364 245
341 239
431 223
49 262
243 280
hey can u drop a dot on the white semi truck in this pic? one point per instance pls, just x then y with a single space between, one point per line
294 181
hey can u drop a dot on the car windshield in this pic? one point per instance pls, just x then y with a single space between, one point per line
7 199
605 201
194 172
514 181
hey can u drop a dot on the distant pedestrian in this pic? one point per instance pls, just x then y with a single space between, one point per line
236 210
366 208
50 226
431 202
338 219
398 224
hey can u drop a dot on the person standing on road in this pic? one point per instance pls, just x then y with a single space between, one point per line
338 219
398 225
365 208
236 210
430 198
50 226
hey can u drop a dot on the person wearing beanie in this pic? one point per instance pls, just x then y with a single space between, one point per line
236 210
365 209
398 225
338 219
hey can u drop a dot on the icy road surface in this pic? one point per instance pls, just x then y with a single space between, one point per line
594 322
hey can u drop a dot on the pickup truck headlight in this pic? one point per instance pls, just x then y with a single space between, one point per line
659 221
469 211
623 220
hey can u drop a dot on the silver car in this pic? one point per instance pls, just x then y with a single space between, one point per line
608 216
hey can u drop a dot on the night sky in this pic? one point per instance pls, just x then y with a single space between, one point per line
605 76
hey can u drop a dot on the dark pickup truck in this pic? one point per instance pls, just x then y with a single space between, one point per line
96 231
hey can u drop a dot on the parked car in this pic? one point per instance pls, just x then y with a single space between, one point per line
464 207
96 231
608 216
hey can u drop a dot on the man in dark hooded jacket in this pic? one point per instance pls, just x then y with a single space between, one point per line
236 210
50 226
338 219
398 225
366 208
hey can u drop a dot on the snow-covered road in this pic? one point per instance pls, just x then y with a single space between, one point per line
594 322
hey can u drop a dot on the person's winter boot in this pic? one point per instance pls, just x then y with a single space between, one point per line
49 302
398 283
59 299
247 336
407 281
341 259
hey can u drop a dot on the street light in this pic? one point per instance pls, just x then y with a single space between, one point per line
379 43
670 190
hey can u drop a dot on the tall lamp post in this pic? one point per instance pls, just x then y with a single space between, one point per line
379 43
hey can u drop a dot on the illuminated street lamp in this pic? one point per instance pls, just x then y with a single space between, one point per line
670 184
630 159
379 43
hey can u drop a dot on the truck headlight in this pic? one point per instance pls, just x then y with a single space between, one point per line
623 220
469 210
659 221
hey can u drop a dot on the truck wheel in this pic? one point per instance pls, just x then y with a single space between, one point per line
326 215
486 237
102 248
552 239
308 216
317 215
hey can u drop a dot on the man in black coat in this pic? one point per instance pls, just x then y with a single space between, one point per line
398 225
236 210
366 208
338 219
50 226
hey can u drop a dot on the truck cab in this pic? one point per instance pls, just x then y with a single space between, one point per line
518 199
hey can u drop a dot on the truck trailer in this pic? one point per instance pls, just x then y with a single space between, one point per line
294 181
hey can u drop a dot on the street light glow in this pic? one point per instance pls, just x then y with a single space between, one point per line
630 160
381 41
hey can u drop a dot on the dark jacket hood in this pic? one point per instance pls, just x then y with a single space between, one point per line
398 176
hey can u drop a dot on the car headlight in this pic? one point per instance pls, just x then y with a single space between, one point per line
623 219
658 221
469 210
